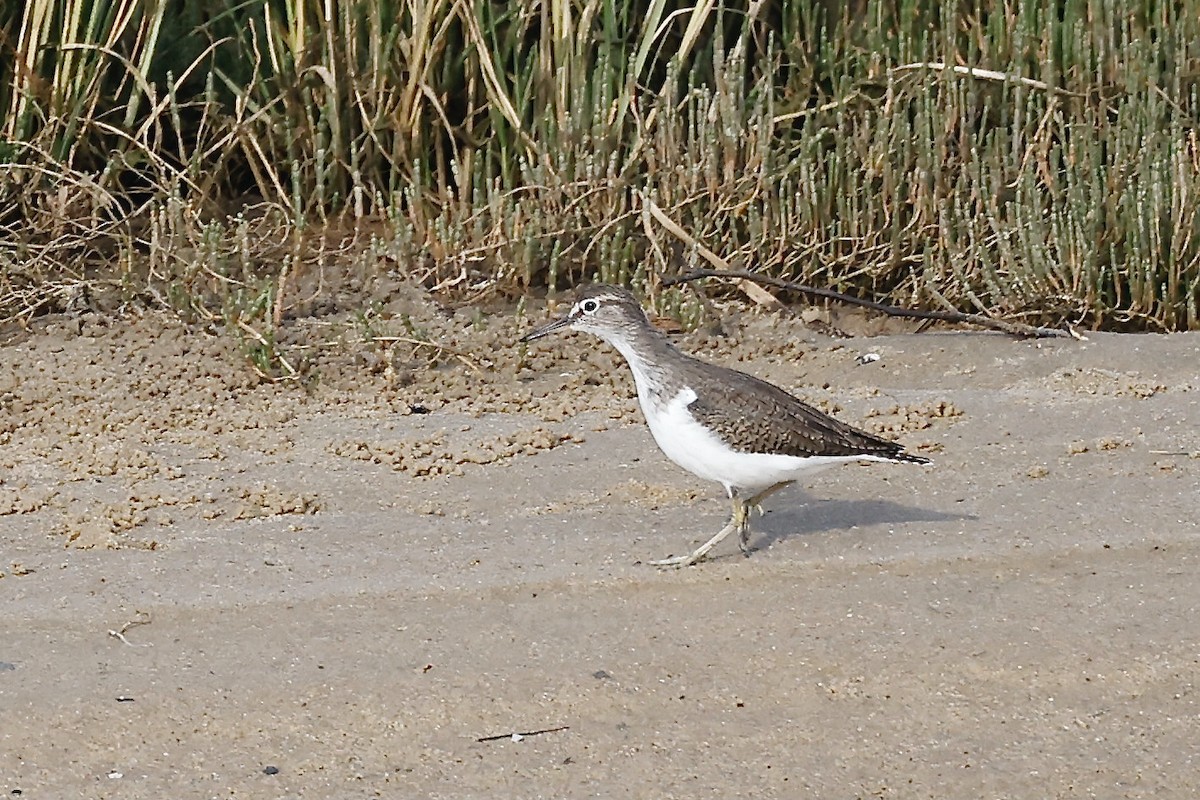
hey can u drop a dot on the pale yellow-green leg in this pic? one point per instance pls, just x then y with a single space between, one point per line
755 503
741 510
739 521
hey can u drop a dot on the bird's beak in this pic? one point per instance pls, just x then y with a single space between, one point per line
547 329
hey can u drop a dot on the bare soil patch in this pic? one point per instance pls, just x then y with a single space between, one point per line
353 580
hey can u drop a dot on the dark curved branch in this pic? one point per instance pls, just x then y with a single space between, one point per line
1011 328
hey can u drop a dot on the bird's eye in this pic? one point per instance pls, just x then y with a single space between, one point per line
589 306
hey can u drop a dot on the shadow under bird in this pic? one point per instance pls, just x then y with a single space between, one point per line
720 424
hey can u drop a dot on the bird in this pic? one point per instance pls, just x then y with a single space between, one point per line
719 424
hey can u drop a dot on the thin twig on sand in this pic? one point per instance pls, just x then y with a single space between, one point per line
142 618
519 736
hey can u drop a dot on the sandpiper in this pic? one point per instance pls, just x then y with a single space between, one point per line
722 425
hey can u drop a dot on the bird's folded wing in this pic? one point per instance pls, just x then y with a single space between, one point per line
754 416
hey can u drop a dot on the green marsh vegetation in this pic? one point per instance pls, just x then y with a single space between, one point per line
232 159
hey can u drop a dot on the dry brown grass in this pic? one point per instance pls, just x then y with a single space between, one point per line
1039 165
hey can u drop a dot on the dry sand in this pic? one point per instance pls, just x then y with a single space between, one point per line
218 587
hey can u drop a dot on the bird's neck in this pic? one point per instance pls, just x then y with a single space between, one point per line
648 352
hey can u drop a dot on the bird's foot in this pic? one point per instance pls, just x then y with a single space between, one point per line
743 530
744 539
679 561
699 554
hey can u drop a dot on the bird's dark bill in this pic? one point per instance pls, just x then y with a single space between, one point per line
547 329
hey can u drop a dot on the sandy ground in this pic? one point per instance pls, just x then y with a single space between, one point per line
218 587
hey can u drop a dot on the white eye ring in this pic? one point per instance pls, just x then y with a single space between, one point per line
589 306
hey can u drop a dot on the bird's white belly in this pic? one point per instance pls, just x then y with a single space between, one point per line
701 452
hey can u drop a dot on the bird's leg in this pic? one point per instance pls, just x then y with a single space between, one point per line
755 502
741 510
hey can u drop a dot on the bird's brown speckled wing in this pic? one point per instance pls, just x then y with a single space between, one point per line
753 416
